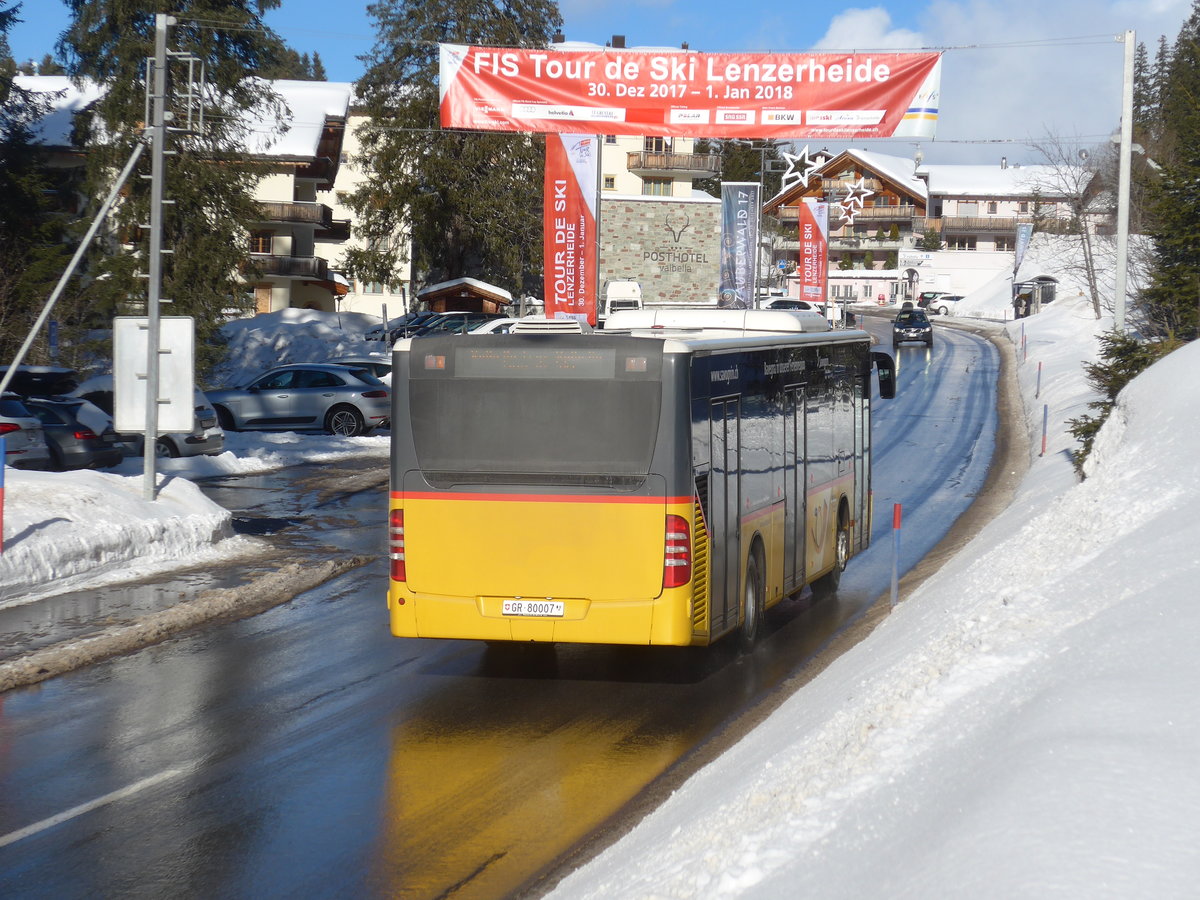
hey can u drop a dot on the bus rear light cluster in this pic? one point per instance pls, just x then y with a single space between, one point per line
677 563
396 545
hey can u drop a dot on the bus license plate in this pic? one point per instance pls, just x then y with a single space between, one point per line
535 608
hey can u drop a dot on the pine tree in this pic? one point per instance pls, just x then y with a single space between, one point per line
31 250
318 68
210 181
1171 303
471 202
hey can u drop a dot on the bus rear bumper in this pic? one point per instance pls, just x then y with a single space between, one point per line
663 620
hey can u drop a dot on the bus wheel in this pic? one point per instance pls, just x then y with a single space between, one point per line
828 583
752 603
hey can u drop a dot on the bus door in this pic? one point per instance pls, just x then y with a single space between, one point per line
795 477
724 503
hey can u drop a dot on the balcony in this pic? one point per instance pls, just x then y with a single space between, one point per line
291 266
969 224
689 165
296 213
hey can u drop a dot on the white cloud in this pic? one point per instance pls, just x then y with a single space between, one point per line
867 29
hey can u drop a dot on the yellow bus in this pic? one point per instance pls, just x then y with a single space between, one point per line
662 483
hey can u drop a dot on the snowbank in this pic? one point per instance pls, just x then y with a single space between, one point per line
1024 725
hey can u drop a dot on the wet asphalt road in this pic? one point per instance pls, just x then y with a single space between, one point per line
306 752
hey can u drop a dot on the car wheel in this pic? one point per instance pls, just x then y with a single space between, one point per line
345 421
929 341
752 603
942 311
164 449
225 419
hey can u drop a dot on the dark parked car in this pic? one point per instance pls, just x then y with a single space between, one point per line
345 400
205 439
79 435
453 323
399 327
912 325
24 438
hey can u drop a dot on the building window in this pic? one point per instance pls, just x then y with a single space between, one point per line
968 209
1005 243
1023 207
610 182
657 145
373 287
961 242
260 241
991 207
656 187
610 139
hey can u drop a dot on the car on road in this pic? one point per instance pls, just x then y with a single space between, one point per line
342 400
24 438
943 305
78 434
205 439
912 325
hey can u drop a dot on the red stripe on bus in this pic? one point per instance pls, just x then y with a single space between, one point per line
536 498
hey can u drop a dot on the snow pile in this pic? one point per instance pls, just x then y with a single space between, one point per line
290 336
1024 725
61 529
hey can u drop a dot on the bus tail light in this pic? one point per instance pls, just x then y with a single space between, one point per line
396 544
677 563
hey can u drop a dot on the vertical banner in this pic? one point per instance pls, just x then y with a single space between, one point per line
569 240
1024 233
813 266
740 210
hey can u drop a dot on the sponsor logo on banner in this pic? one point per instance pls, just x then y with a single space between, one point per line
569 240
740 207
776 95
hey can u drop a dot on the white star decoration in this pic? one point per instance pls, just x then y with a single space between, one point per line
856 193
792 176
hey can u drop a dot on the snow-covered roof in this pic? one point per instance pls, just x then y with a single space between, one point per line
994 181
65 98
470 282
311 104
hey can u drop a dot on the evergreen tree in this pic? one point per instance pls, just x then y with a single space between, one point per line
318 68
471 202
31 250
742 161
210 181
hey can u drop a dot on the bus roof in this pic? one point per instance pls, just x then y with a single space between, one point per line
740 321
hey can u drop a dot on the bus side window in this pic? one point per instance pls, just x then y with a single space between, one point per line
886 368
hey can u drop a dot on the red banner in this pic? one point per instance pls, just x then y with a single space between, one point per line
813 266
569 240
714 95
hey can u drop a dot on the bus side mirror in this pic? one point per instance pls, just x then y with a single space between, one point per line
886 367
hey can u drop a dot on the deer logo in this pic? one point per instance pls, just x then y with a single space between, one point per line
676 229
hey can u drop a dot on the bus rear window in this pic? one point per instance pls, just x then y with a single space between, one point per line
531 426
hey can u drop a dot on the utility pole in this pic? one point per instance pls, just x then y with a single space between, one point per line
1123 179
158 154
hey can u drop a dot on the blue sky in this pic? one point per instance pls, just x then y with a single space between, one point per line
1014 71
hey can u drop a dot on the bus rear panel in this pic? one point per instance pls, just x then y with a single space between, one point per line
614 489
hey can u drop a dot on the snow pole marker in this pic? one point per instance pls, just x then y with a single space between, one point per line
897 514
1038 392
1045 426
